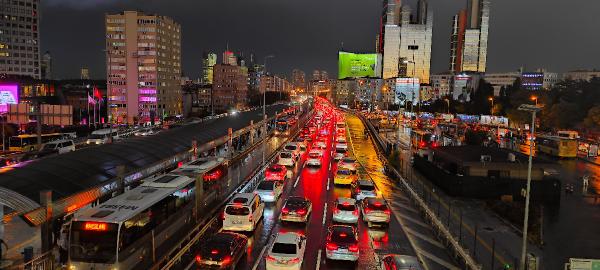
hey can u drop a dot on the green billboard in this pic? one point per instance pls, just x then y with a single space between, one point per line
357 65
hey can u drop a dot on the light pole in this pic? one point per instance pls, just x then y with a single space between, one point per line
412 102
533 109
265 112
534 98
492 109
448 102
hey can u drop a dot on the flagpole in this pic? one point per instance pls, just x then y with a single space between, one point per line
88 109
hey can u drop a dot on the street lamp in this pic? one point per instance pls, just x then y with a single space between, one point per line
534 98
533 109
265 112
492 109
448 102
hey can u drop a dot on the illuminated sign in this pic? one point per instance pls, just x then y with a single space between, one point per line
407 89
94 226
9 94
358 65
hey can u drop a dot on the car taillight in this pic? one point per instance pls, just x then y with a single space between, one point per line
331 246
337 211
368 210
386 211
301 212
355 212
198 259
353 248
250 218
226 260
285 210
271 258
294 261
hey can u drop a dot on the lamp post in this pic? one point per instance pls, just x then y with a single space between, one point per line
265 112
412 96
534 98
533 109
492 109
448 102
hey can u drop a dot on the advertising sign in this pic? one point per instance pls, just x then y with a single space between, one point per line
358 65
407 89
9 94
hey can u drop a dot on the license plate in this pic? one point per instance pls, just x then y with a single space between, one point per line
236 222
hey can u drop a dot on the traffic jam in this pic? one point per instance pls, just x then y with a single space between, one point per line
315 208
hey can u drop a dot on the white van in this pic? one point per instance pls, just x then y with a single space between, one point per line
101 136
243 212
62 146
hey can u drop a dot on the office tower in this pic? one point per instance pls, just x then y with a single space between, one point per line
144 60
208 62
414 56
19 38
46 66
84 73
229 58
230 87
390 15
391 51
299 80
468 50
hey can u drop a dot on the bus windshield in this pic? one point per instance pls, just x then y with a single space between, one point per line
97 136
93 242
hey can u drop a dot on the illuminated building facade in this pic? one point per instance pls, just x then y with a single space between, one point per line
415 43
469 38
209 60
144 67
19 38
230 87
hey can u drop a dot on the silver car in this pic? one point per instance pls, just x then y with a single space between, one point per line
364 189
345 211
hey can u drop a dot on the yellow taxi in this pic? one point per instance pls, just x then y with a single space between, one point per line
344 176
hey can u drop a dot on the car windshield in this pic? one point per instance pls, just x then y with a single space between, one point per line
93 242
343 236
343 172
295 204
286 155
49 146
340 150
237 210
266 185
96 136
366 187
290 147
346 206
348 160
314 155
377 206
284 248
215 249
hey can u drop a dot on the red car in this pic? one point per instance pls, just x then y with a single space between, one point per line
276 173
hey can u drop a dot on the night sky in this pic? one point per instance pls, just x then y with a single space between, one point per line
558 35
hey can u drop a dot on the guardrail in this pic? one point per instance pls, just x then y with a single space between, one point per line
186 243
441 229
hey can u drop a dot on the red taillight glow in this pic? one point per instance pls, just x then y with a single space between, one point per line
331 246
285 210
226 260
353 248
343 235
214 252
301 212
386 211
198 258
271 258
355 212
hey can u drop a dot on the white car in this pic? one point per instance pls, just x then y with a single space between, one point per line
340 151
287 252
348 163
286 159
375 211
293 148
314 158
269 191
341 139
345 210
364 188
342 243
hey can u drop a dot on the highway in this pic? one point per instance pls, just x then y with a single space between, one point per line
317 185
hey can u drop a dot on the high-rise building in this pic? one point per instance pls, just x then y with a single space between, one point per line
144 59
299 80
208 62
415 43
229 58
390 15
469 38
20 38
46 66
84 73
441 85
585 75
230 87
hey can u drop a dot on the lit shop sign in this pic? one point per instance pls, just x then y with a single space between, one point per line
94 226
9 94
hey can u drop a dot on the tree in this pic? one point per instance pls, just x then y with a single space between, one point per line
592 121
475 137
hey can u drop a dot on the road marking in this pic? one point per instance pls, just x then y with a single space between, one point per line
330 166
318 260
296 183
324 213
328 183
259 259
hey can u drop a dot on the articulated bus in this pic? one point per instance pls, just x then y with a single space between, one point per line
28 142
557 146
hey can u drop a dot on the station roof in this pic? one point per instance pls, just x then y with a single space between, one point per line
77 171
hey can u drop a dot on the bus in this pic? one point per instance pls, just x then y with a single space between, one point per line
557 146
125 231
28 142
282 127
422 139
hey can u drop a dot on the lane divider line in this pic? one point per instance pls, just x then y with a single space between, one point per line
328 183
324 213
318 260
259 259
297 179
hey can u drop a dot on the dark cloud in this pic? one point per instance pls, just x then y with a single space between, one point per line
555 34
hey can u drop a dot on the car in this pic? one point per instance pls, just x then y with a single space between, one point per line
400 262
276 172
222 250
320 145
341 140
314 158
348 163
342 243
145 132
293 148
61 146
296 209
243 212
344 176
286 252
340 152
364 188
345 210
269 191
375 211
286 158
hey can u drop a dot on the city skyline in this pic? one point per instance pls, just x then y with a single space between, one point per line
360 29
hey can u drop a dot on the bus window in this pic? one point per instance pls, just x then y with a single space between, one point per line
93 242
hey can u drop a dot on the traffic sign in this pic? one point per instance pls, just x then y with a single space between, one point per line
584 264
